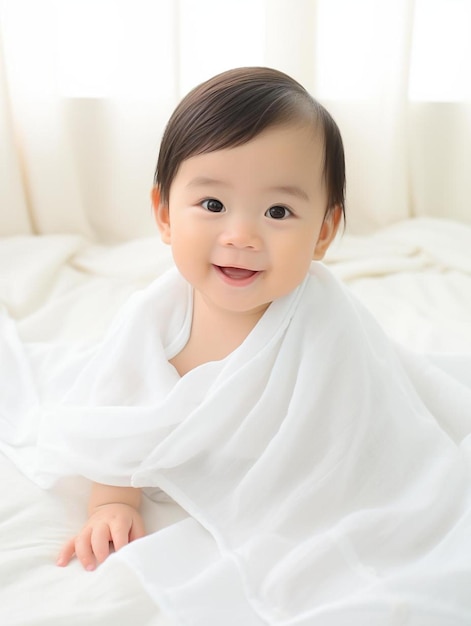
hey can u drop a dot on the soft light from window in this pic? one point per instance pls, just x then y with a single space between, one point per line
441 53
355 47
114 48
216 35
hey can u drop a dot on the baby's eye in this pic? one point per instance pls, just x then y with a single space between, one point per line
278 212
213 205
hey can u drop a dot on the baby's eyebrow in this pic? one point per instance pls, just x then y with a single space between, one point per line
292 190
201 181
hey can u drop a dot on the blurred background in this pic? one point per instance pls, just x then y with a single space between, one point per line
86 87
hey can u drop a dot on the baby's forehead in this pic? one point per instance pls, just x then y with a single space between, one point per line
307 134
289 139
280 157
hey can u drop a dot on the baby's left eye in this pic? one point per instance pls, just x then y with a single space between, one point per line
278 212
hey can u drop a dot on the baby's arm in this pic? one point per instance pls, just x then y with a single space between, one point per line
113 517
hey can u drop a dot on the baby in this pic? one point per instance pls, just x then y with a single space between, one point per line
248 190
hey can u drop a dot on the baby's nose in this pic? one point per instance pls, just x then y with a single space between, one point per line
241 233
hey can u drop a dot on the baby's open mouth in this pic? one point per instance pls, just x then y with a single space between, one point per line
237 273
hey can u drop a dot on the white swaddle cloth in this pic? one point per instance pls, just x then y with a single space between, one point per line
327 471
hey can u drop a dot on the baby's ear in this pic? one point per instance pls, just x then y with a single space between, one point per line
328 231
161 215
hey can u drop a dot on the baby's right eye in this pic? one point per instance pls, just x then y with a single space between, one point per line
213 205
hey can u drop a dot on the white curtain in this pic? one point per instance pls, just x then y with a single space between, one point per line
86 87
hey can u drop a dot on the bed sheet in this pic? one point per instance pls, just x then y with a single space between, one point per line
414 276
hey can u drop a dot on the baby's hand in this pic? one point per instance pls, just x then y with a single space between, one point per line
114 523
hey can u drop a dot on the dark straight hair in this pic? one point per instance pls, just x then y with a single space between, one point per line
232 108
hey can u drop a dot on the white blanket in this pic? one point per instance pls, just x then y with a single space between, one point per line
325 470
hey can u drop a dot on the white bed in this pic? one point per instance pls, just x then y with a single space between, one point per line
415 276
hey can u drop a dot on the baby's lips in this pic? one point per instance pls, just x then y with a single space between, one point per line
237 273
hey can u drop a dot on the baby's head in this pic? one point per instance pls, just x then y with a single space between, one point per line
234 107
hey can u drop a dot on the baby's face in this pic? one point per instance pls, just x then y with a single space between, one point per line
244 223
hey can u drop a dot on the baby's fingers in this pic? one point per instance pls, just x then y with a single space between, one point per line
120 532
83 549
137 530
100 541
66 554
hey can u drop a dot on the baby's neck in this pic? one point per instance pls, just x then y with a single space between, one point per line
214 335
